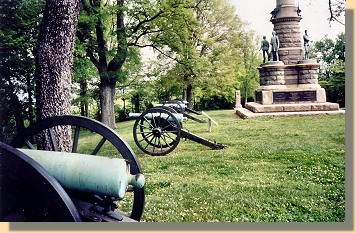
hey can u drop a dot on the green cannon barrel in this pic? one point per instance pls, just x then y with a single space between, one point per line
88 173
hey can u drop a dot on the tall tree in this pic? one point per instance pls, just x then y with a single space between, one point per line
331 55
54 60
84 75
251 59
204 38
108 29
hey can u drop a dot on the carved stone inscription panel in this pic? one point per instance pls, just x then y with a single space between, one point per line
294 96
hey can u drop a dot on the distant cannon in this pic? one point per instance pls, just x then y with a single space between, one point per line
41 186
181 106
177 116
158 131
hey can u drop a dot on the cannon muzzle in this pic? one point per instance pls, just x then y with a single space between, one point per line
88 173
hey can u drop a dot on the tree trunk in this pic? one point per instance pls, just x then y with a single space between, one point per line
99 55
184 93
84 111
107 96
189 95
187 91
54 60
108 84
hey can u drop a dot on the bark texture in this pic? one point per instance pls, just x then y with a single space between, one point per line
54 61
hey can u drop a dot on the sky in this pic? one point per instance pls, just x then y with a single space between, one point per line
314 17
314 14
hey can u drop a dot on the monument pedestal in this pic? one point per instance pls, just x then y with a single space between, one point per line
289 90
290 96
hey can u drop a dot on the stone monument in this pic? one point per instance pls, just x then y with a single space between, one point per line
289 84
238 99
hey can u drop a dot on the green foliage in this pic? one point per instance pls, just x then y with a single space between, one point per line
213 103
18 34
205 40
200 43
166 89
331 54
249 75
109 34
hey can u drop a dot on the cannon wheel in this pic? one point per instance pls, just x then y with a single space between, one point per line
29 193
148 140
157 131
106 134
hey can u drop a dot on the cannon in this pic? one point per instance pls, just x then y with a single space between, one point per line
181 106
80 185
158 131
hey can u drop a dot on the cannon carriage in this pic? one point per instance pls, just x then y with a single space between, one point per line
158 130
50 186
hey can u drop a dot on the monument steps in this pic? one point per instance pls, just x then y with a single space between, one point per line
291 107
245 113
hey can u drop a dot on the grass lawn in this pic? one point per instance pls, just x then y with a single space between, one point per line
289 169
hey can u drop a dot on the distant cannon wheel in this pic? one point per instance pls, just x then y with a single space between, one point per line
148 139
157 131
106 137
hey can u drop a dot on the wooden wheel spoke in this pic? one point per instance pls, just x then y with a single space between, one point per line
170 125
98 147
146 134
154 121
150 142
165 141
169 136
53 139
154 145
147 137
75 139
144 126
30 145
150 124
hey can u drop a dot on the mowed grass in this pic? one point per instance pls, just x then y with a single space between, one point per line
287 169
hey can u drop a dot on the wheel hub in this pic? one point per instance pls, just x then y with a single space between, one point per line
157 132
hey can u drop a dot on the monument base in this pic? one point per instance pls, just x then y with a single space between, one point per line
289 90
253 110
296 107
290 95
